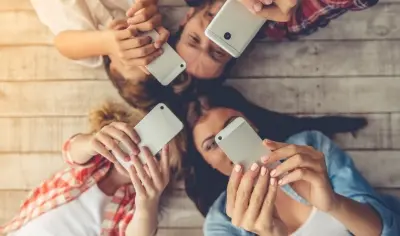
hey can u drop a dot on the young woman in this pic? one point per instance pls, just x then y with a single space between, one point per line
95 196
322 194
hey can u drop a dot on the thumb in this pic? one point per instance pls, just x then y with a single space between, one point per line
118 24
272 145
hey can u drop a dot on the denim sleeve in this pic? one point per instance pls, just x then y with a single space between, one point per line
348 182
217 223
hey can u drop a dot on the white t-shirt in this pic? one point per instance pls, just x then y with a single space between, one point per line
320 223
62 15
82 216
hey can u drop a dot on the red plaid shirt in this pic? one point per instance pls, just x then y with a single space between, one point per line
308 17
68 185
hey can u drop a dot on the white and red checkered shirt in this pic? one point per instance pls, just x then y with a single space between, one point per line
68 185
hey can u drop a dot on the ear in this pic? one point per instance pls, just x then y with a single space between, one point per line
188 15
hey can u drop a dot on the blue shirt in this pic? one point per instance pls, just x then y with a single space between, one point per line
344 178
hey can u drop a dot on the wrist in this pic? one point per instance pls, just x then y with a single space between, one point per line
337 205
106 37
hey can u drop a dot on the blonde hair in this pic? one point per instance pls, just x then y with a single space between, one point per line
117 112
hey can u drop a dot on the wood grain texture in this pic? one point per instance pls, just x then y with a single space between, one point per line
378 22
395 130
319 58
319 95
42 63
39 134
29 170
64 98
46 134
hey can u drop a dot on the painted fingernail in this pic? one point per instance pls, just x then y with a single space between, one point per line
238 168
264 159
257 7
273 181
254 167
263 171
273 173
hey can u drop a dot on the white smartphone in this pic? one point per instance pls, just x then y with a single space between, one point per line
155 130
168 66
241 143
234 27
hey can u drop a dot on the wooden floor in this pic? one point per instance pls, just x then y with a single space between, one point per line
351 68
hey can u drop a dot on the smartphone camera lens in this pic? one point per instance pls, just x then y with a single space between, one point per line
227 35
219 138
182 65
162 107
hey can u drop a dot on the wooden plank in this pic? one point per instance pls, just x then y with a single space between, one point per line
60 98
46 134
179 213
41 63
318 95
320 58
30 169
26 171
395 130
376 135
24 5
43 134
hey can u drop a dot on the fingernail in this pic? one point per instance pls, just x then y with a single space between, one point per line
281 182
264 159
273 181
238 168
254 167
257 7
267 2
127 158
263 171
157 45
273 173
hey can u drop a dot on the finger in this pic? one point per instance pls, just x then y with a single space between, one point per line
139 52
164 162
100 148
232 188
144 61
144 178
297 161
130 131
252 5
285 152
274 13
146 168
147 72
111 145
302 174
272 145
137 184
118 24
117 132
153 167
136 7
151 24
126 33
286 6
268 206
120 168
258 195
136 42
143 15
243 194
267 2
163 38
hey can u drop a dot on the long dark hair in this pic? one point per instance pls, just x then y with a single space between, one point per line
203 183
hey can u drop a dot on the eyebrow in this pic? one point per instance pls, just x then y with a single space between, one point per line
227 122
210 52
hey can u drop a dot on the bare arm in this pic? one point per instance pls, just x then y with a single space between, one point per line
78 149
79 44
359 218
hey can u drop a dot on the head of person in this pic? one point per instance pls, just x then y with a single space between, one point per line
119 112
205 60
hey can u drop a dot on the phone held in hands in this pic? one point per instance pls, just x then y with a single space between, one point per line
155 130
234 27
242 144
